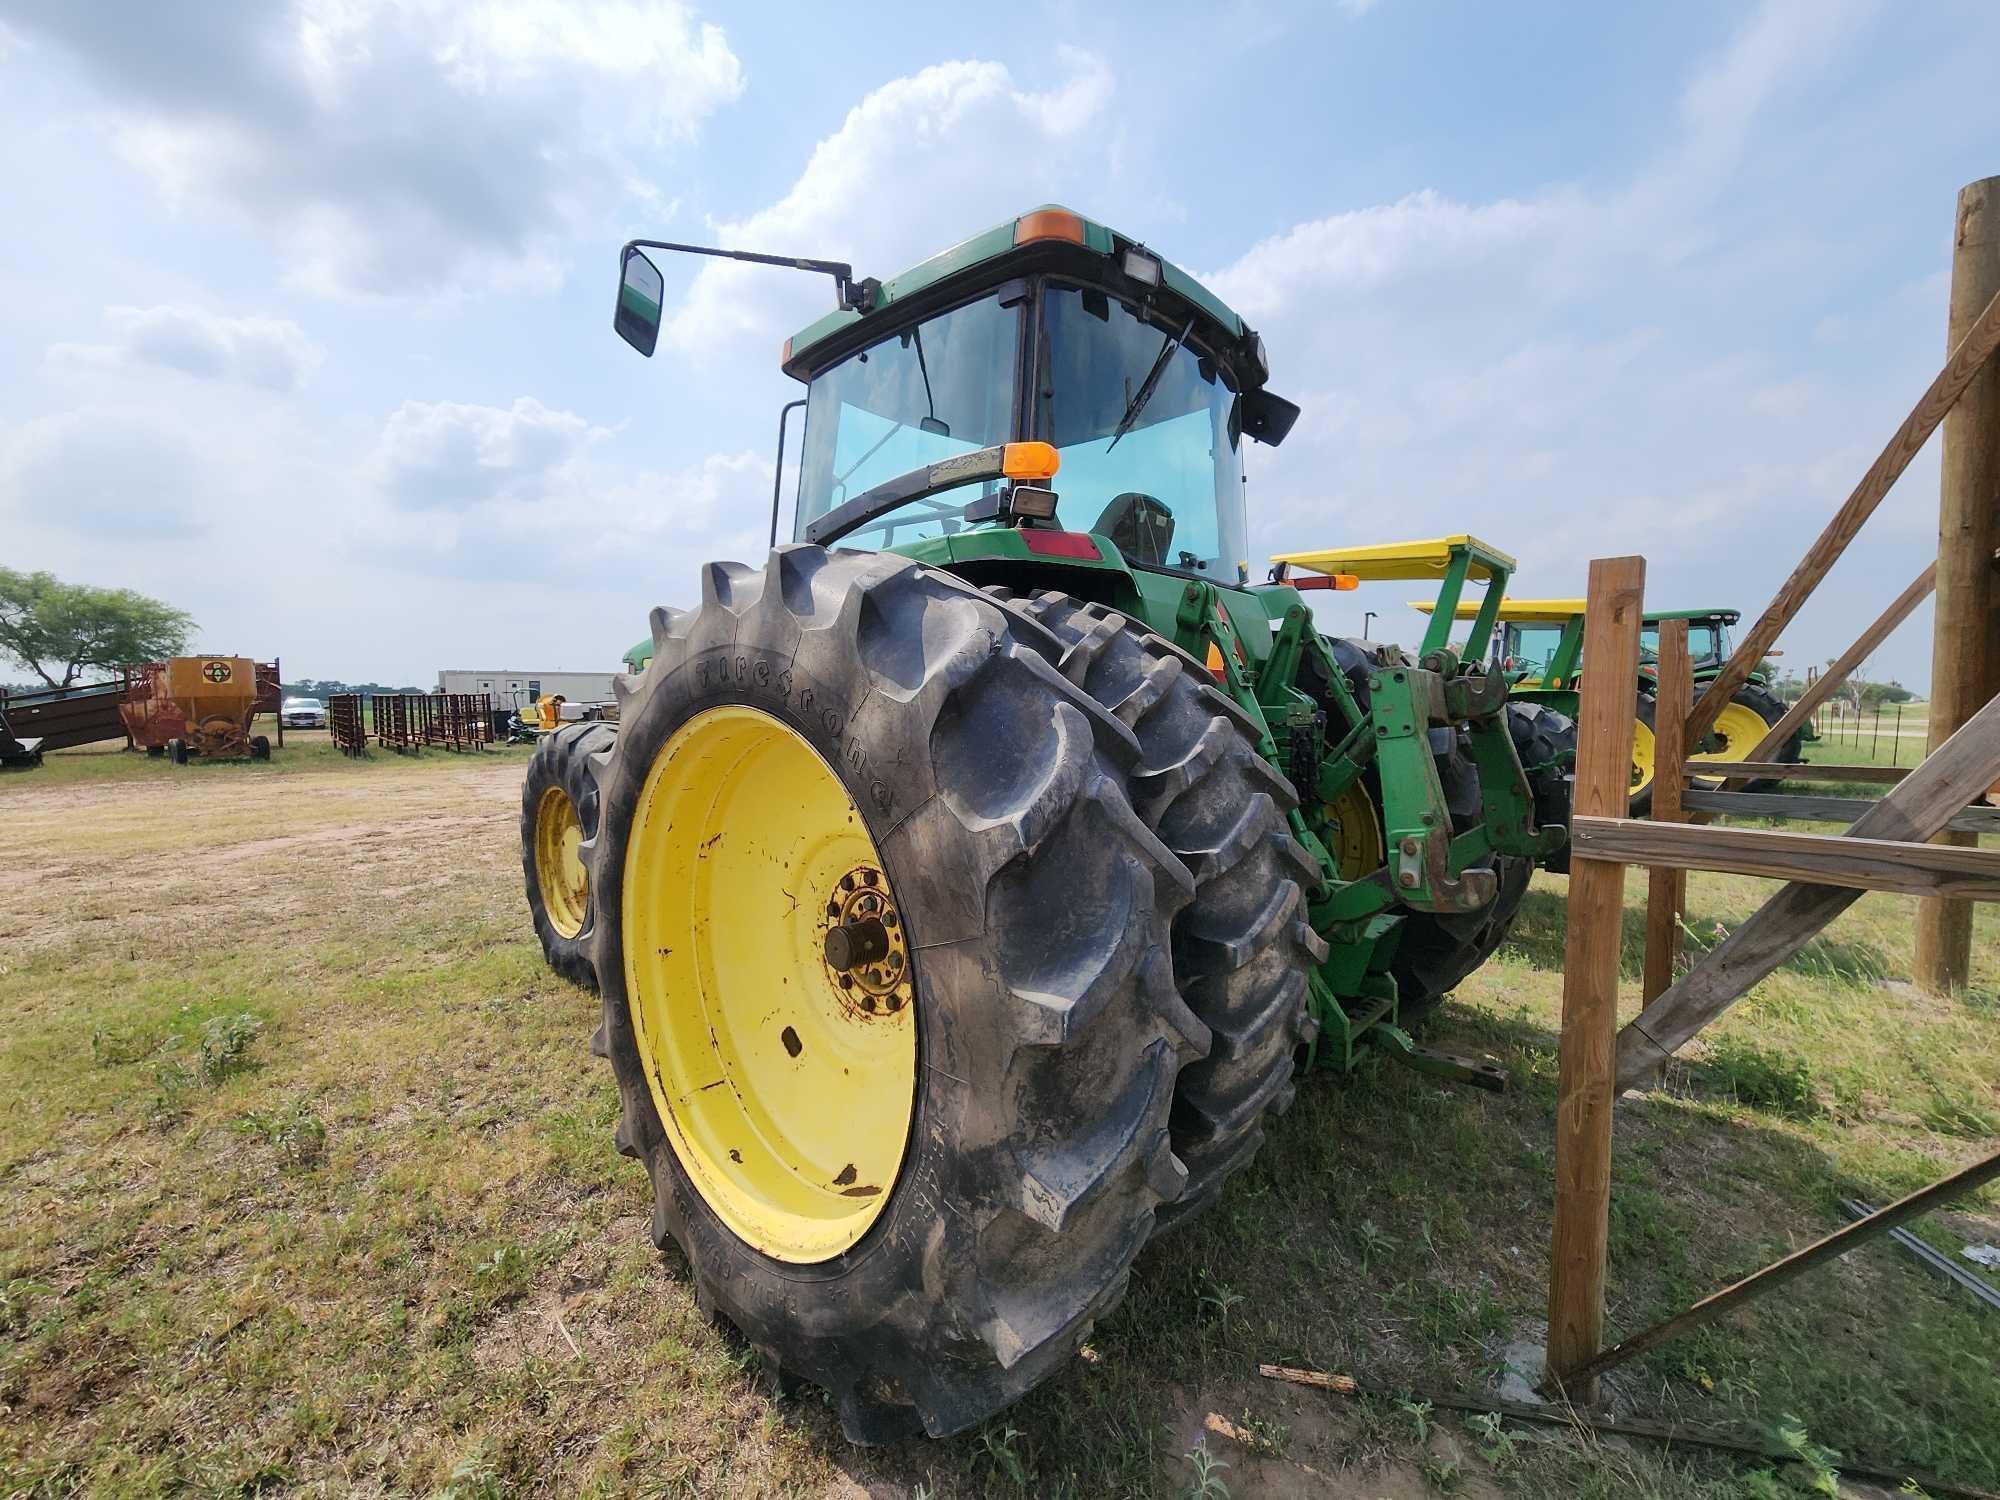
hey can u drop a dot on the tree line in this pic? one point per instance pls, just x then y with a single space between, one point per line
65 632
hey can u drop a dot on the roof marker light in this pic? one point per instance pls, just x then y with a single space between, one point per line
1048 224
1030 461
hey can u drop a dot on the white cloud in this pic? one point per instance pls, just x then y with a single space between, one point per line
1578 372
916 165
99 472
450 456
1414 239
527 491
400 149
271 354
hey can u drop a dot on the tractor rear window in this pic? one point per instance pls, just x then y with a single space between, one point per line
1706 643
1167 489
942 387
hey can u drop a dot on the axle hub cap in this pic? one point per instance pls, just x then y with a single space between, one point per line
866 956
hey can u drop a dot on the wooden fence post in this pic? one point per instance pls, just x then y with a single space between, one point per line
1584 1095
1666 890
1965 649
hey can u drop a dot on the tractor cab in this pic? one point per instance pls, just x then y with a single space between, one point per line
1708 637
1540 641
1048 389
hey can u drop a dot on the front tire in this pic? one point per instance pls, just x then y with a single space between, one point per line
1043 1027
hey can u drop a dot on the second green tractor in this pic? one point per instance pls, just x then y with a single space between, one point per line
965 883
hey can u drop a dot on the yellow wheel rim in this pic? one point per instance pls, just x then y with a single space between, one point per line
559 867
1642 756
786 1084
1356 833
1737 730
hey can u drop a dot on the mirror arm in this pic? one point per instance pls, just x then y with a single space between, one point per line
854 295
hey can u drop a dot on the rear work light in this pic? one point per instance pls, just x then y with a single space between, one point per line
1142 268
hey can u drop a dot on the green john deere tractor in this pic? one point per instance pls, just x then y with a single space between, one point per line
1540 648
964 883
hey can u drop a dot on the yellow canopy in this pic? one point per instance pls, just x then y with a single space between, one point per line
1544 611
1401 560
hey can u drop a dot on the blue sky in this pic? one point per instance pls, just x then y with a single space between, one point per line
309 303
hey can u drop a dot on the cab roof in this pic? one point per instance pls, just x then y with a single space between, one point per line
1050 223
1558 611
1540 611
1403 560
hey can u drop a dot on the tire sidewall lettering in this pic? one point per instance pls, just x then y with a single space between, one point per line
781 687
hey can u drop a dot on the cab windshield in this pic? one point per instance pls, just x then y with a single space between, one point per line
941 387
1531 648
1154 465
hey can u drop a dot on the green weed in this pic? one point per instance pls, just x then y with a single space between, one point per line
1207 1483
1764 1078
297 1134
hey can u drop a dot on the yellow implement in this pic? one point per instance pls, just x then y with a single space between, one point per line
1529 611
1390 561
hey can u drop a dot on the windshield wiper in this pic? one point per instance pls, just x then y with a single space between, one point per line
1146 387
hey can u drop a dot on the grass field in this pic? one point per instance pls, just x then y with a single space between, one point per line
309 1189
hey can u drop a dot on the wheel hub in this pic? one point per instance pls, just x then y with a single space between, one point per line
866 955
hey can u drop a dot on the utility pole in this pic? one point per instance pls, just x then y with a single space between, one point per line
1366 616
1965 650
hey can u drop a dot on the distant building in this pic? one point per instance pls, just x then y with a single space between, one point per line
511 688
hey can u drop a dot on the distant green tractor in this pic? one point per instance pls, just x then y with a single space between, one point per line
1540 648
965 882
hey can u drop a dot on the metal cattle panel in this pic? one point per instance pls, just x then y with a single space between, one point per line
347 718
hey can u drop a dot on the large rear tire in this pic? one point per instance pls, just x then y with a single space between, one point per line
1242 948
1545 741
1042 1032
558 814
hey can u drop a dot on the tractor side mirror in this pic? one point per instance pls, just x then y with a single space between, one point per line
640 289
